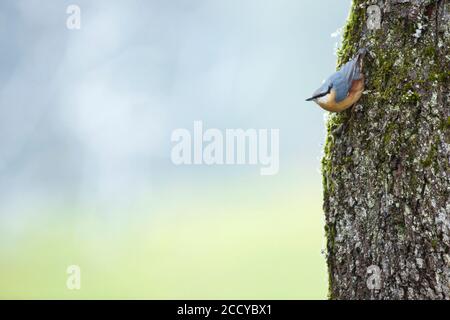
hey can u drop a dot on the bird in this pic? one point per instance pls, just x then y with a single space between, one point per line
343 88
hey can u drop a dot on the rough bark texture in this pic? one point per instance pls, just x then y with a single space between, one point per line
386 164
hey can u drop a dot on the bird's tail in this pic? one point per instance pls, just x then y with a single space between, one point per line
360 56
361 53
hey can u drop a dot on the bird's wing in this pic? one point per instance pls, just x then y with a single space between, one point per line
350 71
341 85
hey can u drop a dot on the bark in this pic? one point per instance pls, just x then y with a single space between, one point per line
386 166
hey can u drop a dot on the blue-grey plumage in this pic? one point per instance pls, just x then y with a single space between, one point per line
343 88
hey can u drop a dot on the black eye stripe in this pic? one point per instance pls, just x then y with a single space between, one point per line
322 94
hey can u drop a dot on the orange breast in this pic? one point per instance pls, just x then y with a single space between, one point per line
353 96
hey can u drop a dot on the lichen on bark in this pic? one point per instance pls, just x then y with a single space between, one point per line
386 175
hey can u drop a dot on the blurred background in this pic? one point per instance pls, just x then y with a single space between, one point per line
86 118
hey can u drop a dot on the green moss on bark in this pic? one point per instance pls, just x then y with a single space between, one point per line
385 164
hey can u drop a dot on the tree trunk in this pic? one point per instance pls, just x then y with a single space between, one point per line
386 165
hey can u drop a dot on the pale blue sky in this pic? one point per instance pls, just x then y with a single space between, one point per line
89 113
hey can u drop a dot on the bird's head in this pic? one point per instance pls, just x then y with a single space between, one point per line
322 92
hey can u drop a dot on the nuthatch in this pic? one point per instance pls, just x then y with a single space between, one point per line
344 88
